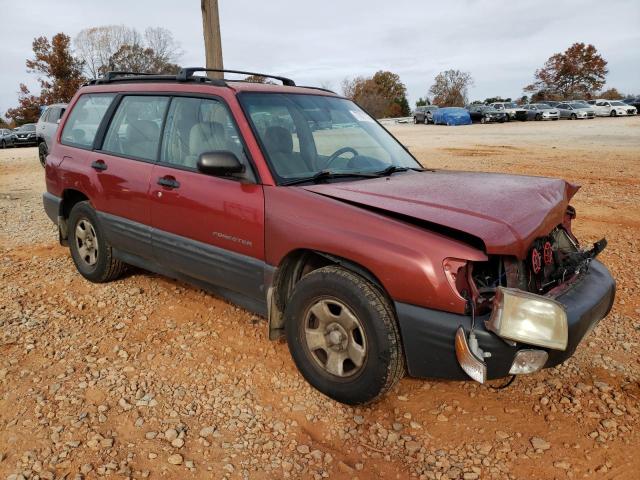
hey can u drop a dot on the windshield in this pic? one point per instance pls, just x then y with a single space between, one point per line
581 105
542 106
30 127
302 135
511 105
617 104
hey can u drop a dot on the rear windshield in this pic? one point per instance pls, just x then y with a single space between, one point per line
82 125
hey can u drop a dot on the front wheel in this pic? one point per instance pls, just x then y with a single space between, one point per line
3 144
613 113
343 336
483 120
90 250
573 116
538 117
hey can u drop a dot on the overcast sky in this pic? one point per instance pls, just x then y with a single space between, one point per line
500 42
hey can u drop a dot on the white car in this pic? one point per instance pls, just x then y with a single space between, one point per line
613 108
512 109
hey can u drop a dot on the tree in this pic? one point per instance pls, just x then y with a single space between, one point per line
496 99
450 88
577 72
382 95
61 76
523 100
611 94
96 46
422 102
258 79
134 58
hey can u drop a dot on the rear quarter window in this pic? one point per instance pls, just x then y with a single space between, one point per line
82 125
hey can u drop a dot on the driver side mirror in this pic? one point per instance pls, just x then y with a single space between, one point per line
220 163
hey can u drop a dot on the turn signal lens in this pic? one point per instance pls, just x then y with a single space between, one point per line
529 318
528 361
470 363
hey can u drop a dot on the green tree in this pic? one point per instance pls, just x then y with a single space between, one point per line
422 102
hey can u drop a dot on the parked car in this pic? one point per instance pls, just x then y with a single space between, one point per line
26 135
513 110
451 116
7 138
613 108
423 114
486 114
541 111
46 128
633 102
367 263
577 111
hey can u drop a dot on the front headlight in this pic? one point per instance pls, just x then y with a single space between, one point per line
529 318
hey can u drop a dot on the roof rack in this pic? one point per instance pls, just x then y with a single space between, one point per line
187 74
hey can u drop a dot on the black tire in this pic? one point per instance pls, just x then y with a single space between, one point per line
613 113
573 117
3 144
415 120
42 153
483 120
105 268
383 364
538 117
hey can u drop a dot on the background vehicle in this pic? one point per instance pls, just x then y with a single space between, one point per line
7 138
46 128
451 116
423 114
575 111
486 114
613 108
26 135
355 291
541 111
514 111
633 102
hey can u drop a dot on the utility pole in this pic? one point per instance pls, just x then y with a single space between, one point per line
212 42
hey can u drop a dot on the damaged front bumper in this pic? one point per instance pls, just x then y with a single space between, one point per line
429 336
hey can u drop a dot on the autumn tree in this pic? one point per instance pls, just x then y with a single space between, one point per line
60 76
450 88
611 94
577 72
382 95
258 79
134 58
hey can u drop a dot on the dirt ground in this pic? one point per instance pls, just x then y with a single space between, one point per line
147 377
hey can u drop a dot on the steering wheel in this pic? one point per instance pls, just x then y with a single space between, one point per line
339 152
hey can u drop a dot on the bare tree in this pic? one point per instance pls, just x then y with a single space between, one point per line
450 88
96 46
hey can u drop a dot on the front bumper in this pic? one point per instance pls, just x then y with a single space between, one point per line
428 335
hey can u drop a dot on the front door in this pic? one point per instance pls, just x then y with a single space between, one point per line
208 228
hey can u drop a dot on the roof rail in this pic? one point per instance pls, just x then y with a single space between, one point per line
187 74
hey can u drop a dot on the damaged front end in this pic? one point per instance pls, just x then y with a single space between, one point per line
518 301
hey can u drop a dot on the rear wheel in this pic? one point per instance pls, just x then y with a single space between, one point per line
91 253
42 154
343 336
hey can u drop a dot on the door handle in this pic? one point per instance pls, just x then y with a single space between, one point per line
168 182
99 165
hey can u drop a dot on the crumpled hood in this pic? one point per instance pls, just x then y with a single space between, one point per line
506 212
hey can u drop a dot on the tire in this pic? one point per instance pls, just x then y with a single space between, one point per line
354 320
95 262
3 144
538 117
613 113
483 120
42 153
415 120
573 117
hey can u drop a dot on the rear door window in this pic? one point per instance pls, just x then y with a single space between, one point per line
135 128
82 125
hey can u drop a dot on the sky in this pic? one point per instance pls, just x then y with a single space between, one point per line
500 42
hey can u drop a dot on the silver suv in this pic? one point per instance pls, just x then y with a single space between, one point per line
46 128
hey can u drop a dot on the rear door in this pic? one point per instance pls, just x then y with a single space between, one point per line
209 228
122 167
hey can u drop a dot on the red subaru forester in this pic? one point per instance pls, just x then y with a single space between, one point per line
297 205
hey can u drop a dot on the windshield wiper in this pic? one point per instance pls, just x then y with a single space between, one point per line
391 169
328 174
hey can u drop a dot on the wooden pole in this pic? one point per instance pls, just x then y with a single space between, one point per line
211 30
